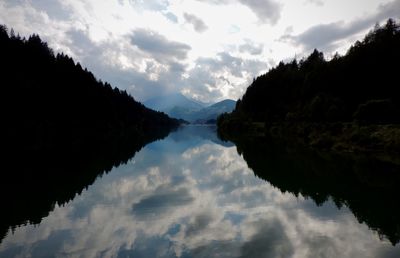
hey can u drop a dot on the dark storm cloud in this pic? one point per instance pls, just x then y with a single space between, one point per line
326 36
197 23
159 46
161 202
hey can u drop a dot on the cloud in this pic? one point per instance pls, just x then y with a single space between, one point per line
327 36
54 9
251 48
144 61
145 74
225 74
210 79
154 5
81 45
267 11
172 17
316 2
324 36
197 23
158 45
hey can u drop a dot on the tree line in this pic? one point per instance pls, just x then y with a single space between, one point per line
361 86
49 99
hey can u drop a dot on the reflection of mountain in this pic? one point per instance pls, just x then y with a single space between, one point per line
33 182
368 186
179 106
200 132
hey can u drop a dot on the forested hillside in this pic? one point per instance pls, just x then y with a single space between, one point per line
357 89
47 98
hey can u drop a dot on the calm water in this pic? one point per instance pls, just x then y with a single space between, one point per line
191 195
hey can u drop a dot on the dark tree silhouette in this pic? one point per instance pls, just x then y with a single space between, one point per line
359 86
60 128
46 97
366 185
353 99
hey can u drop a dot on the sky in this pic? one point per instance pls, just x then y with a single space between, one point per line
208 50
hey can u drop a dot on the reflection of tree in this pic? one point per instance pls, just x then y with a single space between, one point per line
61 128
368 186
31 183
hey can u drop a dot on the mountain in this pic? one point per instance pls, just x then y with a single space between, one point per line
210 113
350 101
167 103
181 107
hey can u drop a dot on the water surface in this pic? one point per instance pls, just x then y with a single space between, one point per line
192 195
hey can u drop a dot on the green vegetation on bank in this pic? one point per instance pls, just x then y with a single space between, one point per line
350 102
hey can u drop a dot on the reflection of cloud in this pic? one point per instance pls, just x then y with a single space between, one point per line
199 223
161 202
163 205
270 241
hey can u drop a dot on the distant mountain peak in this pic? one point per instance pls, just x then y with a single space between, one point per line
168 102
179 106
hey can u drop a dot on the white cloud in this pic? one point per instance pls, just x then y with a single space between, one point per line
197 23
148 48
159 46
328 36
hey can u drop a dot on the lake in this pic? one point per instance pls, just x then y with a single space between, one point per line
193 195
